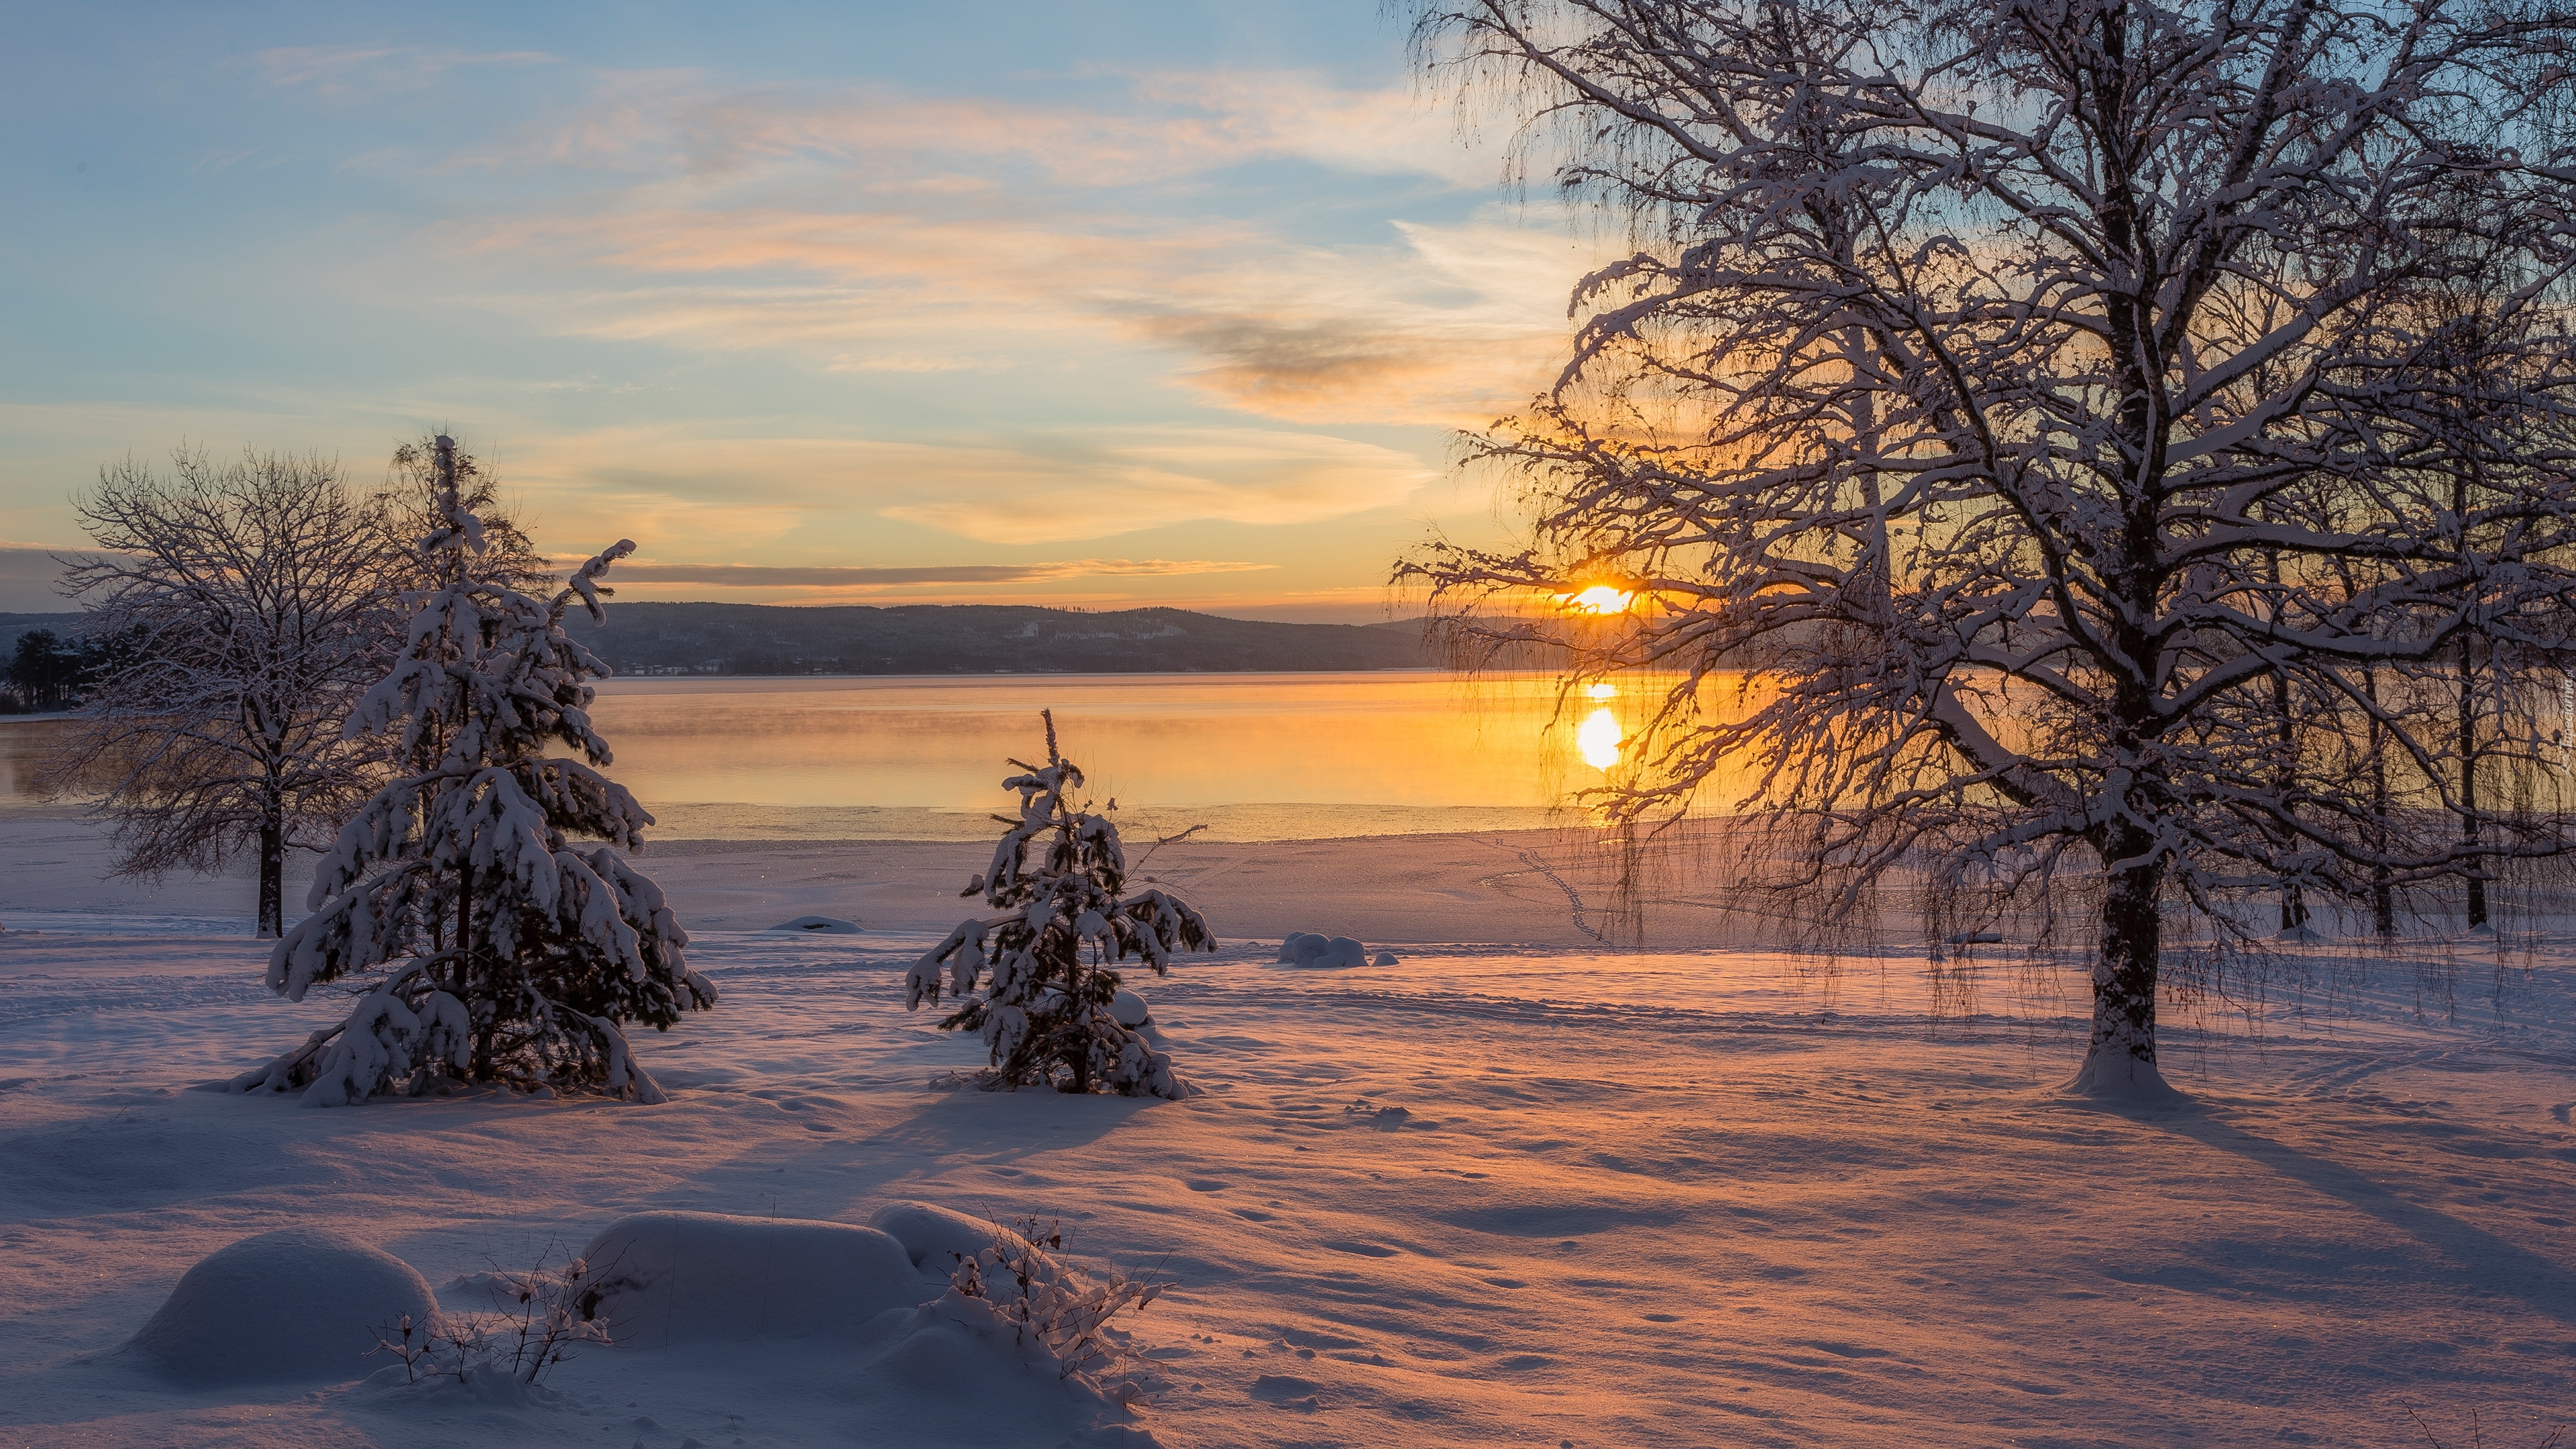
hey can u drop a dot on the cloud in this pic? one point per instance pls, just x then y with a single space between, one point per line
27 575
746 495
1444 324
1175 124
1097 484
879 230
375 70
768 576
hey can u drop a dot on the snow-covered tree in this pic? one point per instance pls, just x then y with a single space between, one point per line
2047 407
1044 964
406 506
509 954
251 603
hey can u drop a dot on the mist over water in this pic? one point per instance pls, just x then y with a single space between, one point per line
1247 756
1250 756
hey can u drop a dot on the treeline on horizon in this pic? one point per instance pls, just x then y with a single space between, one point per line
982 639
770 639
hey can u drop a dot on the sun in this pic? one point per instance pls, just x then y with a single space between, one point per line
1598 599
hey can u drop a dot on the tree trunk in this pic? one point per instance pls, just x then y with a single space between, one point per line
2121 1060
272 870
2294 906
2383 900
482 1024
2469 786
1082 1023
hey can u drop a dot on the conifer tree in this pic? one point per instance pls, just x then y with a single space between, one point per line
514 957
1065 916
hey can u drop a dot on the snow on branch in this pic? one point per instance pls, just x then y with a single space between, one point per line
517 955
1058 881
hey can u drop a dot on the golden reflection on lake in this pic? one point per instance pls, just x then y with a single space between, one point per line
1379 739
1256 756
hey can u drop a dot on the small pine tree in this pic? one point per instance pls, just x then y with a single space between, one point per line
516 957
1045 1008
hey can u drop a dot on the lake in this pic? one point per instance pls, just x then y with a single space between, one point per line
1250 756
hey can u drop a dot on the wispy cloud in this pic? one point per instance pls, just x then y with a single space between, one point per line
341 70
742 495
1443 324
673 125
880 230
769 576
1110 482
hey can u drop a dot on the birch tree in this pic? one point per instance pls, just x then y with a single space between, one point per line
252 603
2040 401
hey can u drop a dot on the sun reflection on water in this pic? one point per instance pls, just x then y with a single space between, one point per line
1597 739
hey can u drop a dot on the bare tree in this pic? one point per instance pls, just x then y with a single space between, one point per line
257 602
2033 401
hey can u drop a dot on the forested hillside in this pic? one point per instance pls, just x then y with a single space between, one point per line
979 639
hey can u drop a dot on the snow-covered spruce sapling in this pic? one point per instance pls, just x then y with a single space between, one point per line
513 957
1059 881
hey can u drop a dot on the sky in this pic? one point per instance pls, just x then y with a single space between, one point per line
1095 305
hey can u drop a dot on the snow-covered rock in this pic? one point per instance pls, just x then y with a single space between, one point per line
297 1303
667 1278
822 926
1308 948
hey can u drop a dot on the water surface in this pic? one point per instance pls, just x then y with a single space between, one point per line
1250 756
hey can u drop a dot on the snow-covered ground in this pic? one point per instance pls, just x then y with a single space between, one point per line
1536 1194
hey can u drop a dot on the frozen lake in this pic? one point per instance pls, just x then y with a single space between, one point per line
1251 756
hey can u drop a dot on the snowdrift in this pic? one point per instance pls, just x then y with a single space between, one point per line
937 1239
669 1278
298 1303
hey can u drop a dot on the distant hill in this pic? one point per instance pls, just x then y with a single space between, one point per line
979 639
13 625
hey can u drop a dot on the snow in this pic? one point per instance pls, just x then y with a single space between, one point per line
937 1239
1501 1194
1129 1009
669 1278
295 1303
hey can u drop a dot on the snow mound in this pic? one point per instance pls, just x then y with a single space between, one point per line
298 1303
956 1351
1129 1010
936 1239
1306 948
822 926
673 1277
